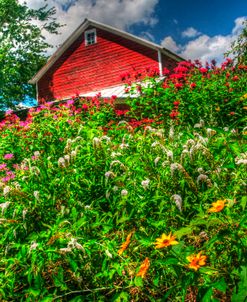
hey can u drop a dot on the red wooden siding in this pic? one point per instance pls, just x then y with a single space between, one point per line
83 69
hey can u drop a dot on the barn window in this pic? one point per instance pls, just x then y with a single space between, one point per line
90 37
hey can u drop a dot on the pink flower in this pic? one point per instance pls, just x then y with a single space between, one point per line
8 156
3 166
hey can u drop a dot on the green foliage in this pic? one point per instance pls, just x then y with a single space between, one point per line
87 192
22 48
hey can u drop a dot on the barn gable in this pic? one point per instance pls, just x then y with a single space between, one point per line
93 58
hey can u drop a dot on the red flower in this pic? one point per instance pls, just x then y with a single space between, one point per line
166 71
203 70
174 114
177 76
176 103
192 85
121 112
180 69
235 78
85 107
232 113
178 85
165 85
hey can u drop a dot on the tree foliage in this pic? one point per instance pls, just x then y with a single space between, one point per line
22 48
239 46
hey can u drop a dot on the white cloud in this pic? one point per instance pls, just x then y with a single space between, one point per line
190 32
118 13
170 44
147 36
205 47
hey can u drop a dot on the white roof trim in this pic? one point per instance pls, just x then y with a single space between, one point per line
87 22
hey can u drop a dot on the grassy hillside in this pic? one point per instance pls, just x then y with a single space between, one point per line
100 204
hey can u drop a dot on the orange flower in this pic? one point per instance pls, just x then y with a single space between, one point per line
125 244
165 241
196 261
143 269
217 206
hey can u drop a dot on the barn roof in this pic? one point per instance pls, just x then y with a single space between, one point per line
85 24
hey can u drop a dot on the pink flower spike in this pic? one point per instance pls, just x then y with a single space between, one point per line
3 167
8 156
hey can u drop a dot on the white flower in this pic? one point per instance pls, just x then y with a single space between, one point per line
61 162
115 154
200 170
115 188
96 142
226 129
169 155
17 186
87 207
124 146
178 201
73 154
145 183
65 250
73 244
4 206
202 177
36 194
241 161
109 174
124 192
156 160
171 132
24 212
33 246
6 191
154 144
107 138
108 254
36 153
210 132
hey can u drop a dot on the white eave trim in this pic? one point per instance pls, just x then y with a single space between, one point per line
86 23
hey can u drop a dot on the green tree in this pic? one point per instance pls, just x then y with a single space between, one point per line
22 48
239 46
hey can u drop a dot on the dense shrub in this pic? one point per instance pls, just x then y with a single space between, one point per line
99 206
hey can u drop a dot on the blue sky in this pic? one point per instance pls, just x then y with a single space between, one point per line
202 29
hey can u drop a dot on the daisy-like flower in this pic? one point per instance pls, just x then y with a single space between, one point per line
165 240
217 206
144 268
196 261
125 244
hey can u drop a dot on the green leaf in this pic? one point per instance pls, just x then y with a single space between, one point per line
121 297
207 296
240 292
221 285
184 231
138 281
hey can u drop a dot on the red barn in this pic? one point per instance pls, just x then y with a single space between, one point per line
92 60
